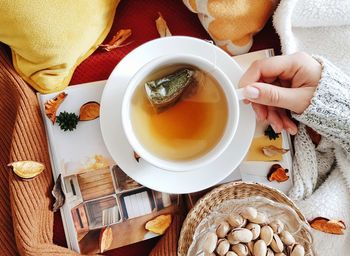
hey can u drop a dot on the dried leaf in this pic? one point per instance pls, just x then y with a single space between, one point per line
162 27
137 157
159 224
105 239
52 105
58 194
117 40
27 169
277 173
271 151
89 111
270 132
335 227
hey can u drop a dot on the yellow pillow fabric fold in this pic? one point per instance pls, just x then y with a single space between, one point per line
49 39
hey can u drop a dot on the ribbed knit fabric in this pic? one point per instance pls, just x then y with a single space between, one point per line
26 222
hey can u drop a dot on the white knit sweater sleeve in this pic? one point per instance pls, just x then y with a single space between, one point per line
329 111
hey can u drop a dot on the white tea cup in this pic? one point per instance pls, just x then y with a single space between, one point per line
233 96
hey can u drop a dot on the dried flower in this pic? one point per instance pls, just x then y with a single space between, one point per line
277 173
117 40
27 169
335 227
52 105
67 121
162 27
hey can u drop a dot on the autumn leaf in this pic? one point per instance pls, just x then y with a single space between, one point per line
52 105
162 27
105 239
277 173
27 169
322 224
117 40
159 224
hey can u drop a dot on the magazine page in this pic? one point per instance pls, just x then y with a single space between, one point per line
103 206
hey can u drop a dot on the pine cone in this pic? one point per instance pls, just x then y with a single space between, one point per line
67 121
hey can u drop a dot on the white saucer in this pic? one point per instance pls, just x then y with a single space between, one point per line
120 149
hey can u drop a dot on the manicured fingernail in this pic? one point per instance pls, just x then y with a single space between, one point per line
274 128
291 131
251 92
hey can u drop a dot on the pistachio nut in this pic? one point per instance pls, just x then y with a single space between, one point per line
236 220
255 229
276 244
240 249
260 248
277 226
287 238
261 218
270 252
249 213
242 235
297 250
251 247
231 253
280 254
222 229
210 243
222 247
266 234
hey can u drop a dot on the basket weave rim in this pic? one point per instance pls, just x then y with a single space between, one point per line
201 207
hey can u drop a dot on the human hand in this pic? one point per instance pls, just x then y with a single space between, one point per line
278 83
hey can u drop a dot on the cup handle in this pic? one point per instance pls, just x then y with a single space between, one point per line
239 93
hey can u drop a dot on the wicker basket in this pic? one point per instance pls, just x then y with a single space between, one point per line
233 190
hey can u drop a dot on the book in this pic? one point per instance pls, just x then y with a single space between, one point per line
104 208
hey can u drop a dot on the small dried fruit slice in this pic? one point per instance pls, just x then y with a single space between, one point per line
162 27
58 194
335 227
89 111
105 239
27 169
271 151
277 173
159 224
52 105
117 40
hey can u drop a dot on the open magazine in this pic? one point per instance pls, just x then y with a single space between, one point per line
104 208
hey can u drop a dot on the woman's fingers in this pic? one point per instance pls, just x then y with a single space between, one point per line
260 111
274 119
288 124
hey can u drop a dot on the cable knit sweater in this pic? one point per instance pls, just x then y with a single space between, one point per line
322 173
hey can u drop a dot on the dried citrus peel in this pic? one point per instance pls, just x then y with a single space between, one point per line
162 27
105 239
89 111
52 105
159 224
27 169
117 40
277 173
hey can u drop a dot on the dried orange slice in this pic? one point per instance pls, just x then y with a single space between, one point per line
159 224
27 169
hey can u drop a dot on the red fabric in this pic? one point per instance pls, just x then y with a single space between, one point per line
139 16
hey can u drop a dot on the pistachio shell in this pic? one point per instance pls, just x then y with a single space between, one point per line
222 229
236 220
240 249
260 248
279 254
222 247
277 226
261 218
270 252
266 234
297 250
287 238
251 247
242 235
231 253
249 213
210 243
276 244
255 229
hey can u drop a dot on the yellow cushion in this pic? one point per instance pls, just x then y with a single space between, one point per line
50 38
232 23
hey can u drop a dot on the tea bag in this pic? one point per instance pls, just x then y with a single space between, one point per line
165 91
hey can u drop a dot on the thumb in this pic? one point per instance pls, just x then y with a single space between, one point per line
294 99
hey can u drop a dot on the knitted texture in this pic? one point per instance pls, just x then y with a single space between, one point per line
22 137
322 173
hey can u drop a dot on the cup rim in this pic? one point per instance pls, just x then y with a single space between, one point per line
226 138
